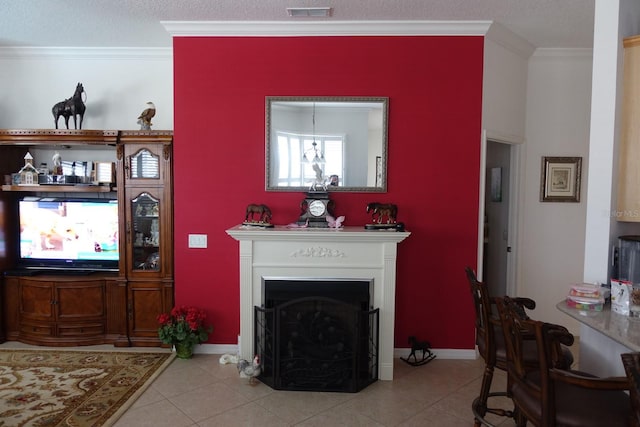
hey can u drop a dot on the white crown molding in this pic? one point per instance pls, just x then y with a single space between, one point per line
86 52
324 28
506 38
564 53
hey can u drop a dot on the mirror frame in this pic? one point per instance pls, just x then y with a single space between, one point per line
385 119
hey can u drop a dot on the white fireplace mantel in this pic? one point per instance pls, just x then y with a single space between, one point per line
345 253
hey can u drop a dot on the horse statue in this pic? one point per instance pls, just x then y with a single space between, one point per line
70 107
380 210
263 211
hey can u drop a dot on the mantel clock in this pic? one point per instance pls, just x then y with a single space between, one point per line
315 208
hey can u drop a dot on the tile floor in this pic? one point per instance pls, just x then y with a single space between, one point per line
201 392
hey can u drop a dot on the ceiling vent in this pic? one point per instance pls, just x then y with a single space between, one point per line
315 12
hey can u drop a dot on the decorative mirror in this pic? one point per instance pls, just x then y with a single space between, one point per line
340 141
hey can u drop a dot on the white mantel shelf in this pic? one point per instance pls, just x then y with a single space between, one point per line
359 234
345 253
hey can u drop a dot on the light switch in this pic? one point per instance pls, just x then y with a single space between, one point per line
197 240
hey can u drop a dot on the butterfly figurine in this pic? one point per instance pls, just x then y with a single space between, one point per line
335 222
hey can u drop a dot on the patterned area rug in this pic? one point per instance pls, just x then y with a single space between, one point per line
73 388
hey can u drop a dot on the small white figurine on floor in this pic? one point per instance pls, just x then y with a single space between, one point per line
248 369
227 358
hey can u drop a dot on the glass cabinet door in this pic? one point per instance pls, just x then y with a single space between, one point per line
145 214
144 164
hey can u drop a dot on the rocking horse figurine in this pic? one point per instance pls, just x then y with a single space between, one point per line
70 107
424 346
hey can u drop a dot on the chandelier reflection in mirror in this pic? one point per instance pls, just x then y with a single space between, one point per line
313 154
341 139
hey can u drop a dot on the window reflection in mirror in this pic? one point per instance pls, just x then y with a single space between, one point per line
337 143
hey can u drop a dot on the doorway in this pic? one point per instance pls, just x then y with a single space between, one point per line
496 233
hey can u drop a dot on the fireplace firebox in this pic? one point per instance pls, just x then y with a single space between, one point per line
317 334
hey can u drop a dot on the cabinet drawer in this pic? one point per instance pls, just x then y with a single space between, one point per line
37 330
89 329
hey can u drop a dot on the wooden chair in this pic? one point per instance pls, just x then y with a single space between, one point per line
631 363
490 342
491 346
550 396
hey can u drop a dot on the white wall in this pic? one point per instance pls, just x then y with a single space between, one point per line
557 123
504 85
541 103
117 82
503 119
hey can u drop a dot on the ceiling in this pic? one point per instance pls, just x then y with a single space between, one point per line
137 23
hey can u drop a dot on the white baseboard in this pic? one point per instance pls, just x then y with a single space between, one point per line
216 349
442 353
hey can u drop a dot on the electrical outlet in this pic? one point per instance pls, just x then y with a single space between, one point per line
197 240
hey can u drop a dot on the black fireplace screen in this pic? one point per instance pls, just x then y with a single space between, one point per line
317 343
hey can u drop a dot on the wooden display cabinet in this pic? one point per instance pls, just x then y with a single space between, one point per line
144 166
119 308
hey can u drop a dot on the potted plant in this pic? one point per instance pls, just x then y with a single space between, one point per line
183 328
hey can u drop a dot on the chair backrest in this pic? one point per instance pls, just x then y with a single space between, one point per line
515 330
485 319
631 363
548 339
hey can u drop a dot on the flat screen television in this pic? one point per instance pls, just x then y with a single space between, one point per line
68 234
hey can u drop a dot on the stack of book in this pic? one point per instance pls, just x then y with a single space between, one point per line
586 297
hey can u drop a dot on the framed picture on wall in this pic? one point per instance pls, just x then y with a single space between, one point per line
560 179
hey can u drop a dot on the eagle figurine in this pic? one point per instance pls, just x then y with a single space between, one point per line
144 120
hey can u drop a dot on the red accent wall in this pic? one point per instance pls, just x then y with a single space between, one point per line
434 85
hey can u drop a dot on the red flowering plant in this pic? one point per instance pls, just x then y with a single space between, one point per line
184 325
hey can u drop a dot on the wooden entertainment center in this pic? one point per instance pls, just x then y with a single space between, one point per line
84 306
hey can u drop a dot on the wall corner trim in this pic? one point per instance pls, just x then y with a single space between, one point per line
506 38
324 28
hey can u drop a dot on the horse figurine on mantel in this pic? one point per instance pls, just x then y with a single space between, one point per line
263 212
70 107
